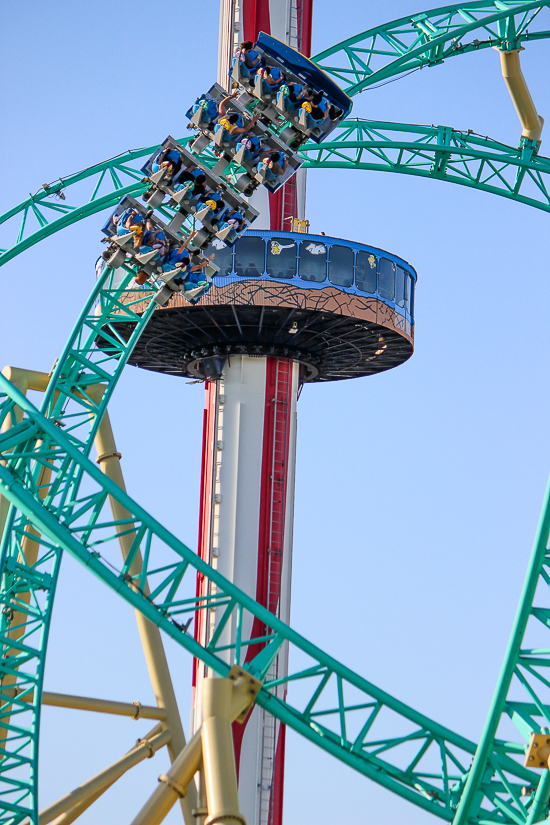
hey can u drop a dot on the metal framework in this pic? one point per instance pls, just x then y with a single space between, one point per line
429 38
436 152
59 497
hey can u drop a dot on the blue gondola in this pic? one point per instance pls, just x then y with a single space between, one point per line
318 105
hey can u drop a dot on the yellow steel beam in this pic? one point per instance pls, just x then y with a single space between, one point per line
159 672
531 121
144 749
238 696
108 459
135 710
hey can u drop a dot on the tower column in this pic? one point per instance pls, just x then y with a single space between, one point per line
246 520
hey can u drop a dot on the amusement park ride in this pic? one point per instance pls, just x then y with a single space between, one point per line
201 277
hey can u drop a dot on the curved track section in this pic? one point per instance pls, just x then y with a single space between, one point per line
60 497
60 500
332 706
335 708
428 38
435 152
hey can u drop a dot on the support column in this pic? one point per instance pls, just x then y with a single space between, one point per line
247 498
153 648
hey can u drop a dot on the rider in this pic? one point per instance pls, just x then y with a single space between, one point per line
248 58
275 164
168 158
272 79
209 110
177 257
317 109
233 218
253 147
232 122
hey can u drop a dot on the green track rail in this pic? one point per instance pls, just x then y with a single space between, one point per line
339 710
435 152
429 38
335 708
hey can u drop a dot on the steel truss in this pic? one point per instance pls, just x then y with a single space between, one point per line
59 497
332 706
429 38
436 152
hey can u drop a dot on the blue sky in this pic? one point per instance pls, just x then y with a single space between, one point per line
418 490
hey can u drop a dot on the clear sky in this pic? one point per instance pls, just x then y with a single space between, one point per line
418 490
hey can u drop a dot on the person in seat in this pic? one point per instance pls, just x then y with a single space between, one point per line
272 80
295 94
177 256
232 122
191 175
253 147
127 221
275 164
154 239
169 159
233 218
248 58
317 110
209 112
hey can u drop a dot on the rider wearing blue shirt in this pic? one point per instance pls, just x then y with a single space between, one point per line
249 59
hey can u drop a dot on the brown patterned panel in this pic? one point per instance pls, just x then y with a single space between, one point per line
273 294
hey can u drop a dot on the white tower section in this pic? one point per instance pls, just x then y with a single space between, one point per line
249 456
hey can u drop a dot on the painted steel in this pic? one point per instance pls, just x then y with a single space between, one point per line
434 152
73 520
428 38
332 706
246 499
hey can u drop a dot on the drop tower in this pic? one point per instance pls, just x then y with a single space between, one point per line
286 308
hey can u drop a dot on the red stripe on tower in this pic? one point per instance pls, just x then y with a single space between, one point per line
271 540
255 15
283 205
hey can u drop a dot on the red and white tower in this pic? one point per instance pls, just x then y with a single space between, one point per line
249 452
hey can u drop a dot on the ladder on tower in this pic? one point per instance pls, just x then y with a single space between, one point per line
268 724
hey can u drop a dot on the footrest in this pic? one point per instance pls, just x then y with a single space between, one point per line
199 144
163 296
156 177
114 258
220 167
155 199
176 222
124 240
146 257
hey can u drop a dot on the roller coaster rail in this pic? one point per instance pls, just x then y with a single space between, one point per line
428 39
435 152
60 497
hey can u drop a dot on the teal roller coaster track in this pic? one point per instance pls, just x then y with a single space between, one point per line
60 498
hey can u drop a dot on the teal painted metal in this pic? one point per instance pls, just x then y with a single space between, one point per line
77 397
427 765
440 153
435 152
429 38
522 693
332 706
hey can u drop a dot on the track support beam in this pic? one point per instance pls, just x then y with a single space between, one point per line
153 648
145 749
530 120
211 747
